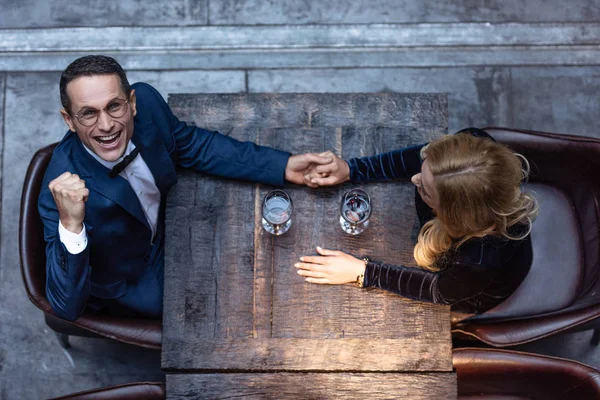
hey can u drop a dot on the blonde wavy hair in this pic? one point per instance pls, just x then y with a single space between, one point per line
478 182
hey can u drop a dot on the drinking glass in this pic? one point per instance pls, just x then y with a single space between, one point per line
277 212
355 210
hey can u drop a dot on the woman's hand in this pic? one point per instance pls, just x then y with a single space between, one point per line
300 165
333 173
332 267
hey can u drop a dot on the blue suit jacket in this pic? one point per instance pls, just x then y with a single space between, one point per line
119 246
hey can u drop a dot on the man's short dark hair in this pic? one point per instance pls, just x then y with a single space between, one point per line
89 66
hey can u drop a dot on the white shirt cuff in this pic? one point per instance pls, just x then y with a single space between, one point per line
74 242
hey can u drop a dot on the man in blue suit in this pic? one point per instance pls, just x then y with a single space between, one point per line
103 197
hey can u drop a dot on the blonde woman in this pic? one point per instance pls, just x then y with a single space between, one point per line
473 249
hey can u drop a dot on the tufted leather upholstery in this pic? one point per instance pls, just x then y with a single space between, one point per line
129 391
502 374
562 290
137 331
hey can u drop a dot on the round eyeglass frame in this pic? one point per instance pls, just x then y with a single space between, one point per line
92 122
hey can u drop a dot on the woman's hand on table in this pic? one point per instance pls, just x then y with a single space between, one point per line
333 173
331 267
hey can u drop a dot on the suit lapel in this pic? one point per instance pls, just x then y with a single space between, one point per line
155 155
116 189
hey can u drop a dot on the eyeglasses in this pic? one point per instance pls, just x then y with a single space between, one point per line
89 116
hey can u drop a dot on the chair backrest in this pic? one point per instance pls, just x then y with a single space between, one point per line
550 285
128 391
565 178
571 164
493 373
32 247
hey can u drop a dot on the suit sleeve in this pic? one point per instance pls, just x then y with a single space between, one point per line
214 153
394 165
67 275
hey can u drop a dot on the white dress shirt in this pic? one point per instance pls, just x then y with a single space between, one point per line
142 182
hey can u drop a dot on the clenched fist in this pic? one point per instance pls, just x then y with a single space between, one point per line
70 195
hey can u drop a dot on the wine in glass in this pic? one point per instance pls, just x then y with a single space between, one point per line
355 210
277 212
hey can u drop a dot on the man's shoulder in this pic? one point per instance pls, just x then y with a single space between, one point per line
144 88
146 94
150 103
61 160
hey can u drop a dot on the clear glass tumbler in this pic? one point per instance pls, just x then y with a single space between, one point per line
277 210
355 210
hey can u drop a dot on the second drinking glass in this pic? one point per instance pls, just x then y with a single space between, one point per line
355 210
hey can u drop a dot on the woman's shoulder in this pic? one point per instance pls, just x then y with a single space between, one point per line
492 249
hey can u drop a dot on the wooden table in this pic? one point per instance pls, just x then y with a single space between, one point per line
238 320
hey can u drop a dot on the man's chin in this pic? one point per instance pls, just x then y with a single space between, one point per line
109 155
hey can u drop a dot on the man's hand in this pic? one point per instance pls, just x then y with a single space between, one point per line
333 173
70 195
299 165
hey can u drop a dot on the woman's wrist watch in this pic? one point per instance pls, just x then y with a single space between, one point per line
360 279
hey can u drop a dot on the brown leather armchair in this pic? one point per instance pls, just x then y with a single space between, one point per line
138 331
503 374
561 293
129 391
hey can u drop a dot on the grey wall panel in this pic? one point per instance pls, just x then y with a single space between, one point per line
317 58
2 115
403 11
306 46
378 36
41 13
66 13
191 81
556 99
476 96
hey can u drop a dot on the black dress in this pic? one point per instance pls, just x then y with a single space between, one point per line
474 278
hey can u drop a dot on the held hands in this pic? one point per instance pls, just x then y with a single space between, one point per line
317 169
332 267
70 195
333 173
299 165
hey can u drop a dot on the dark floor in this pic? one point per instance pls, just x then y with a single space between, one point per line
522 64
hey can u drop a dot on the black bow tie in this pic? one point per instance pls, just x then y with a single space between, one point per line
118 168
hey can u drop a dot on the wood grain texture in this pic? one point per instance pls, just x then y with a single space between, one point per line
418 386
364 354
233 299
415 116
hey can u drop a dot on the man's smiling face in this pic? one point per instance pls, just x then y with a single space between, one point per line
108 137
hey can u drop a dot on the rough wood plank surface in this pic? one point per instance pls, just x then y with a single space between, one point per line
367 355
303 310
419 386
419 116
227 279
211 248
